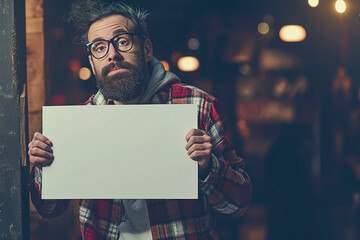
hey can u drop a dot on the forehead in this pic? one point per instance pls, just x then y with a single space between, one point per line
107 27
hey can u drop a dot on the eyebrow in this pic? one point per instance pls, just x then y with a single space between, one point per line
116 32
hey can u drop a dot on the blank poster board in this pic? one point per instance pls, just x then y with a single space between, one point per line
120 151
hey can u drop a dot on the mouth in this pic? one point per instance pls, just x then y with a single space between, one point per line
116 70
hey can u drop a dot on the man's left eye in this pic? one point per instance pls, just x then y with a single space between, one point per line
122 42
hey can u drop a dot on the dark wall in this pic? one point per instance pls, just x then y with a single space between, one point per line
13 181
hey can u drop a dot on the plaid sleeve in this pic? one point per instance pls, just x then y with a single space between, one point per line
227 186
46 208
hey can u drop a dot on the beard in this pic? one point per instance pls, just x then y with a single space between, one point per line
124 86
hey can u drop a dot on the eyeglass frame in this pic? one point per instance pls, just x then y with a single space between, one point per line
111 40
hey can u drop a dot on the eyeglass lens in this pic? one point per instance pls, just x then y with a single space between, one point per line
122 42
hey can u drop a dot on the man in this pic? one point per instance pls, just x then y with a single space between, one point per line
121 57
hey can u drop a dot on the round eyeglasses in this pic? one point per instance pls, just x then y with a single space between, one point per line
122 42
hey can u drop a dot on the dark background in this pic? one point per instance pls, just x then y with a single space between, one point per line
295 120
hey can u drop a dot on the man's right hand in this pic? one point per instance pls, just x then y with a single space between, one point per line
40 151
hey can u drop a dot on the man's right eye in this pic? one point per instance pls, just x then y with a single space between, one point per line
99 48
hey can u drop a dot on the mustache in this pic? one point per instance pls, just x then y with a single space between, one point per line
110 66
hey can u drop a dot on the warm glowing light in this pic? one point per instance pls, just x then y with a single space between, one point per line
313 3
193 43
84 73
75 65
263 28
59 100
188 64
166 65
340 6
245 69
292 33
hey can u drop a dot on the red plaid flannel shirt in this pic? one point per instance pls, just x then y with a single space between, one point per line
226 190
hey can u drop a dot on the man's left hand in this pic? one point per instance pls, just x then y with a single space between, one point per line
199 149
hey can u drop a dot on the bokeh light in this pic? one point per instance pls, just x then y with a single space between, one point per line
269 19
340 6
263 28
245 69
292 33
58 100
75 65
84 73
193 43
188 64
313 3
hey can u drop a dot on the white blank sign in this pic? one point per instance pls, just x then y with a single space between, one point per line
126 151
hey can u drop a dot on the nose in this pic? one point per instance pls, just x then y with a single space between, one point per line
114 54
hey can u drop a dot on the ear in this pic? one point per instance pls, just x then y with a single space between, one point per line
148 50
92 64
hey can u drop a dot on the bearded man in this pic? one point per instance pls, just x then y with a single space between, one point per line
121 57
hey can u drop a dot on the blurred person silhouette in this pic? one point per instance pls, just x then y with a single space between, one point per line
351 169
287 184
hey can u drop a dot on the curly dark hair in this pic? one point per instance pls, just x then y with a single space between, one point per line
83 13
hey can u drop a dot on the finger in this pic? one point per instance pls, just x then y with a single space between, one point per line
40 161
40 153
40 157
197 139
196 147
200 155
40 144
194 132
40 137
